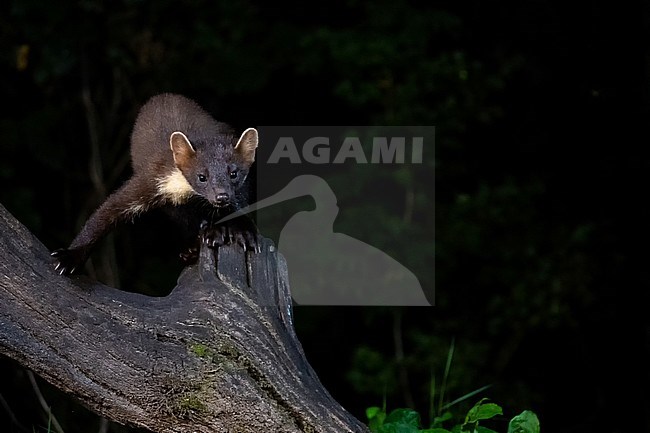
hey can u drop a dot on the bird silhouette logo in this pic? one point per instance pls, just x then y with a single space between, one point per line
329 268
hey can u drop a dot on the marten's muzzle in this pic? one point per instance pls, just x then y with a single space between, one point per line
222 200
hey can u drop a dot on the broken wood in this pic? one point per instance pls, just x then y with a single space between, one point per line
219 354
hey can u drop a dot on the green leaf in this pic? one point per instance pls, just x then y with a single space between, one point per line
525 422
481 429
376 424
398 427
466 396
376 417
483 411
372 412
404 416
440 419
445 375
435 430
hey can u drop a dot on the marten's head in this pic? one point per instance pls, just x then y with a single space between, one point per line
215 167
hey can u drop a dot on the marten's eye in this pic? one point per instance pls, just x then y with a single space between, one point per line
202 178
234 173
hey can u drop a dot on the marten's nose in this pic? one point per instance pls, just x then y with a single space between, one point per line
222 199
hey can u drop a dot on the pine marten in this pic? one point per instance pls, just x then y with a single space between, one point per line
186 163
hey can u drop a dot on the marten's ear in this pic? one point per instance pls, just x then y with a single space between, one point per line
247 144
181 148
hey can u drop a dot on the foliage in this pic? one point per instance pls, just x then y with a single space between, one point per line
408 421
525 422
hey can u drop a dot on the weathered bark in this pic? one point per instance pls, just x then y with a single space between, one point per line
219 354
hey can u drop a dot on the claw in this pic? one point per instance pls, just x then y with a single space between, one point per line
237 232
204 225
68 260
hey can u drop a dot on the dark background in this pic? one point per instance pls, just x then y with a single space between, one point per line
541 224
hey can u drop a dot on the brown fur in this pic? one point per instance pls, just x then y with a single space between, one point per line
174 145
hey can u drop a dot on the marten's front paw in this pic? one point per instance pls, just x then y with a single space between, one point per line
243 233
68 260
246 238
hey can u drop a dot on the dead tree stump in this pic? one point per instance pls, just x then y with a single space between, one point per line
219 354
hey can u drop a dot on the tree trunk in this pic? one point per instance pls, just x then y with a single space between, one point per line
219 354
